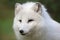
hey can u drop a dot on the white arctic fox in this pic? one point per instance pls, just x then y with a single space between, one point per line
32 22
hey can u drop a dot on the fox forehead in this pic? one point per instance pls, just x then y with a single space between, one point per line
28 11
24 14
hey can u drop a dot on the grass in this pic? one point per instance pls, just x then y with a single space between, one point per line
6 22
6 30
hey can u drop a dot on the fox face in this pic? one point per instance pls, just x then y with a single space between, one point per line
27 18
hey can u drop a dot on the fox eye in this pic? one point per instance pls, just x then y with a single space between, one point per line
30 20
20 20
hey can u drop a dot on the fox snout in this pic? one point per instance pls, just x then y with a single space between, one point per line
22 32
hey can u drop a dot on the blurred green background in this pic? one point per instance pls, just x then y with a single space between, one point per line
7 15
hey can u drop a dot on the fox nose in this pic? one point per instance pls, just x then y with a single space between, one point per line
21 31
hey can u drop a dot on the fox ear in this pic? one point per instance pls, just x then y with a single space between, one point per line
18 7
37 7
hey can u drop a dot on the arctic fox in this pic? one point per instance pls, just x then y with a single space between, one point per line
32 22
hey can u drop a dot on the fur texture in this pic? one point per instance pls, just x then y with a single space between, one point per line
34 20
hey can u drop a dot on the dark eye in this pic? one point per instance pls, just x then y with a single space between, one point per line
20 20
30 20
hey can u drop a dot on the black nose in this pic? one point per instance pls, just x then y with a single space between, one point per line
21 31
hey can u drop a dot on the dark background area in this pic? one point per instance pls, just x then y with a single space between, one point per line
7 15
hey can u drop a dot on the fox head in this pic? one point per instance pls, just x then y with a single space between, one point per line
28 17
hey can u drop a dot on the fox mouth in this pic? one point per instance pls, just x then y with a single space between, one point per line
23 33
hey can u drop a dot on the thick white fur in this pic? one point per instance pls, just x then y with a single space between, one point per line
42 28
